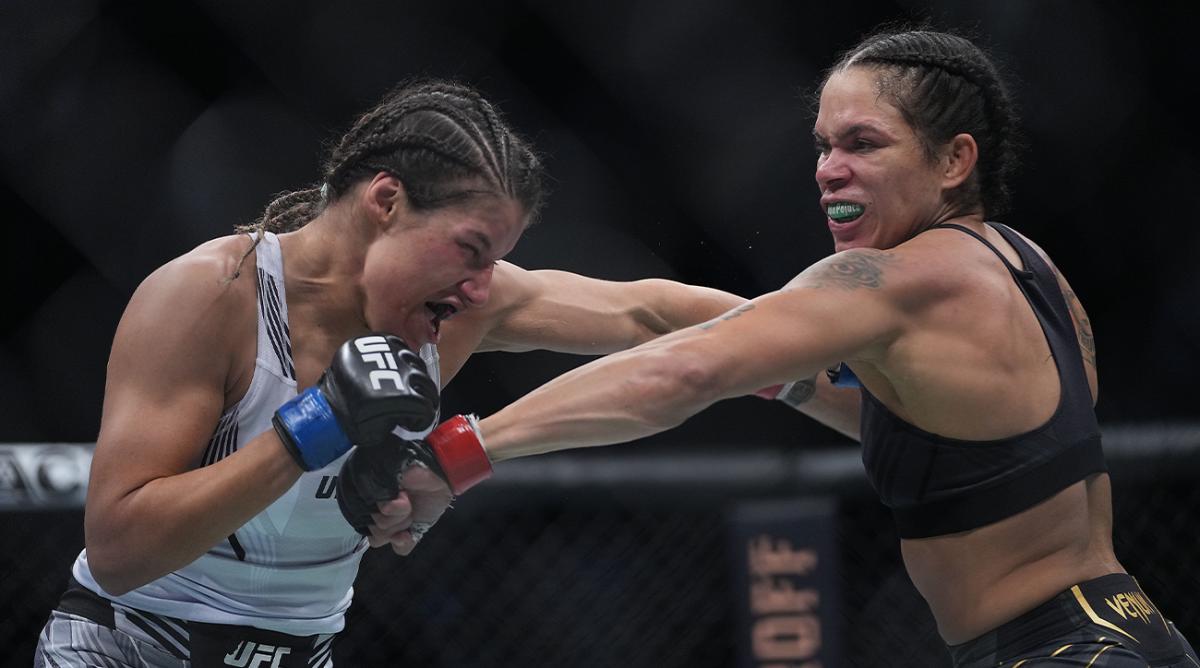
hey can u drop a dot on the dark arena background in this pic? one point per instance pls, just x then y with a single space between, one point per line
677 135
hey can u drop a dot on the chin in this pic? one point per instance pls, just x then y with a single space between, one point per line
396 329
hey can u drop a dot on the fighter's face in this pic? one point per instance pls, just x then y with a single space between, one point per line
878 185
436 264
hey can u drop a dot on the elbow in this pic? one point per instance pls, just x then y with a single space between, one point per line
672 388
113 568
646 326
108 572
649 318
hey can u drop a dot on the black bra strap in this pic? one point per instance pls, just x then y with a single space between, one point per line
1013 270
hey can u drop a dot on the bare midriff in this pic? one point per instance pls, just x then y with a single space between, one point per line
977 580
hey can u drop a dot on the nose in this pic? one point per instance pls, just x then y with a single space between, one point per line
832 170
475 290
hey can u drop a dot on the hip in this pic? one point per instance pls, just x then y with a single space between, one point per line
86 625
1106 621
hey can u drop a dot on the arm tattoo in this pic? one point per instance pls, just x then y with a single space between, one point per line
862 268
1087 344
728 316
1083 326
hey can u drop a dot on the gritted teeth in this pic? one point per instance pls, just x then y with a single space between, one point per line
844 212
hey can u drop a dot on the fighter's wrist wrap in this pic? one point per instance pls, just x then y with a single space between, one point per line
310 431
798 392
458 447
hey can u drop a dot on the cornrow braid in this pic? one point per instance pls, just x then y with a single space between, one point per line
943 85
499 137
289 211
443 123
441 139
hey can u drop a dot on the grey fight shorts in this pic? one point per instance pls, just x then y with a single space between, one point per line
89 630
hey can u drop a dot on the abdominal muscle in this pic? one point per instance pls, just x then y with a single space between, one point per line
977 580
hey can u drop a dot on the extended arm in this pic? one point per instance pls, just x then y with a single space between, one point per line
530 310
566 312
841 308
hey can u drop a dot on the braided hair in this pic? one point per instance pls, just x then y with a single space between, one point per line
944 85
441 139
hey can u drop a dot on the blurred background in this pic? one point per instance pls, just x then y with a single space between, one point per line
677 135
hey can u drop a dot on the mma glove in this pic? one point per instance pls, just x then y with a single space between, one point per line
374 474
374 384
370 476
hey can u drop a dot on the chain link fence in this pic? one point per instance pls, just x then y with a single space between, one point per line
616 559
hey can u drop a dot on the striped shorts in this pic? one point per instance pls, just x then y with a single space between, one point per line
1103 623
89 630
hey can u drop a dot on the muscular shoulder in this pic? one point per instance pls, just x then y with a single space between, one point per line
855 269
200 300
908 275
211 277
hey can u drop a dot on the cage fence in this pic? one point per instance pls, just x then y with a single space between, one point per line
618 558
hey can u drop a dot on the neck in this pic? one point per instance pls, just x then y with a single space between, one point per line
323 263
971 219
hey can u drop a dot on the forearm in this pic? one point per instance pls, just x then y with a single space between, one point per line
838 408
617 399
659 384
170 521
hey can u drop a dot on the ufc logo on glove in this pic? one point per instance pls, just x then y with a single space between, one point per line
375 349
350 404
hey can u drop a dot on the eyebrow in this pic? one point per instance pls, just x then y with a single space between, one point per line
857 128
483 240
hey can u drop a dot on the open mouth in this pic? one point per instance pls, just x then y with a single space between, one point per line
441 311
844 212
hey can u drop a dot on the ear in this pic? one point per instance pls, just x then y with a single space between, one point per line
384 197
958 161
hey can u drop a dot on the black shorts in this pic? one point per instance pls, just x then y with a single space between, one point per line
1103 623
88 629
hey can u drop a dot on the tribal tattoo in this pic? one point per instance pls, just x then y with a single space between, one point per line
862 268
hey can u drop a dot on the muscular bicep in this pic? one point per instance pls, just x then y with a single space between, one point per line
165 386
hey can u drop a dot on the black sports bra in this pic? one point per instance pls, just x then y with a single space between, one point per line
937 485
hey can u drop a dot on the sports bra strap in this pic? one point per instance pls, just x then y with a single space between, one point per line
1024 273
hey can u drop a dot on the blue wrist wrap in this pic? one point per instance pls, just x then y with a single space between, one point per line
313 430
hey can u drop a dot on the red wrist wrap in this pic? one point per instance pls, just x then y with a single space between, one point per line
460 454
769 393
